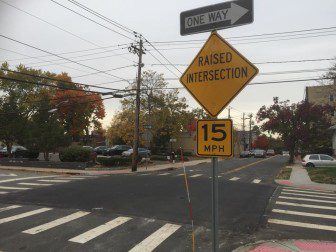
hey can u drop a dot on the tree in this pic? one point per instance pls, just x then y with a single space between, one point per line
300 125
261 142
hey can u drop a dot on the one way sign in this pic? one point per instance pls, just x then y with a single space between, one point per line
216 17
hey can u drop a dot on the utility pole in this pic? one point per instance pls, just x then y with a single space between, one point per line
250 132
229 109
139 51
244 131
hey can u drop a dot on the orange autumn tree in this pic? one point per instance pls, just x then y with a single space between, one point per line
79 110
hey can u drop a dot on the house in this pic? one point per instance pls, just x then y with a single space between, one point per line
322 95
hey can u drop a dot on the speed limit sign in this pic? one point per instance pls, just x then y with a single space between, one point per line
214 138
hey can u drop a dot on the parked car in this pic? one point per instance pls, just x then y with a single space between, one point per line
245 154
142 152
17 152
88 147
270 152
259 153
118 149
101 150
318 160
285 153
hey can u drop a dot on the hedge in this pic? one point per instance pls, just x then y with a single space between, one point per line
75 154
114 160
158 157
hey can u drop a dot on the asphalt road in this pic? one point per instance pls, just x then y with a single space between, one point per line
148 203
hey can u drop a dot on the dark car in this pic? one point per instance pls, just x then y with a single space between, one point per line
101 150
118 150
142 152
245 154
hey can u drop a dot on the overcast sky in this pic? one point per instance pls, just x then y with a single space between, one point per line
159 21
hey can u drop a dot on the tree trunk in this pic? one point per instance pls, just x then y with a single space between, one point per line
291 156
9 149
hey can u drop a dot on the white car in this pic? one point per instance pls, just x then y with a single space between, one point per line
318 160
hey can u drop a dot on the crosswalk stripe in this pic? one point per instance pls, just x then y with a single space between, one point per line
3 192
325 216
93 233
308 192
234 179
35 184
75 178
304 205
305 199
163 174
302 224
26 178
256 181
309 195
9 208
54 180
196 175
307 189
14 188
144 174
55 223
182 174
155 239
23 215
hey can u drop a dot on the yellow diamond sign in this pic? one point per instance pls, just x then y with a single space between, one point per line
217 74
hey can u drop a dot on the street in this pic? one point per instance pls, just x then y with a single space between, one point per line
147 201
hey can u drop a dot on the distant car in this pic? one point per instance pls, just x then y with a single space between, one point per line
318 160
142 152
101 150
285 153
270 152
118 150
245 154
259 153
17 151
88 147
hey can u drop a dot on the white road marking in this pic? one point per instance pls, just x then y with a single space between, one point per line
256 181
196 175
219 176
182 174
72 178
23 215
8 175
93 233
26 178
35 184
14 188
302 224
55 223
305 199
9 208
325 216
304 205
3 192
308 192
54 180
308 195
234 179
163 174
307 189
155 239
144 174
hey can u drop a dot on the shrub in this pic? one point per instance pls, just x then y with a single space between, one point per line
187 153
75 154
114 160
158 157
33 154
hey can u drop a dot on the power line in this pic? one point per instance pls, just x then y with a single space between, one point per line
53 25
117 68
92 20
22 43
54 79
255 35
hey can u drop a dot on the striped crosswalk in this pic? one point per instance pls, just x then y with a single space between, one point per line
28 223
304 208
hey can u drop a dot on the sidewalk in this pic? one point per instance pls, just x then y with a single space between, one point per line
288 245
153 168
300 178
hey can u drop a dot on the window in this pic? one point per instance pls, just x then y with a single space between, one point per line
314 157
326 158
331 98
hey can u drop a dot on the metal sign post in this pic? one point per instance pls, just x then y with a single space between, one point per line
214 192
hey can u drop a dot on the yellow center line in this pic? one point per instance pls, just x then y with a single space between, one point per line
246 166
